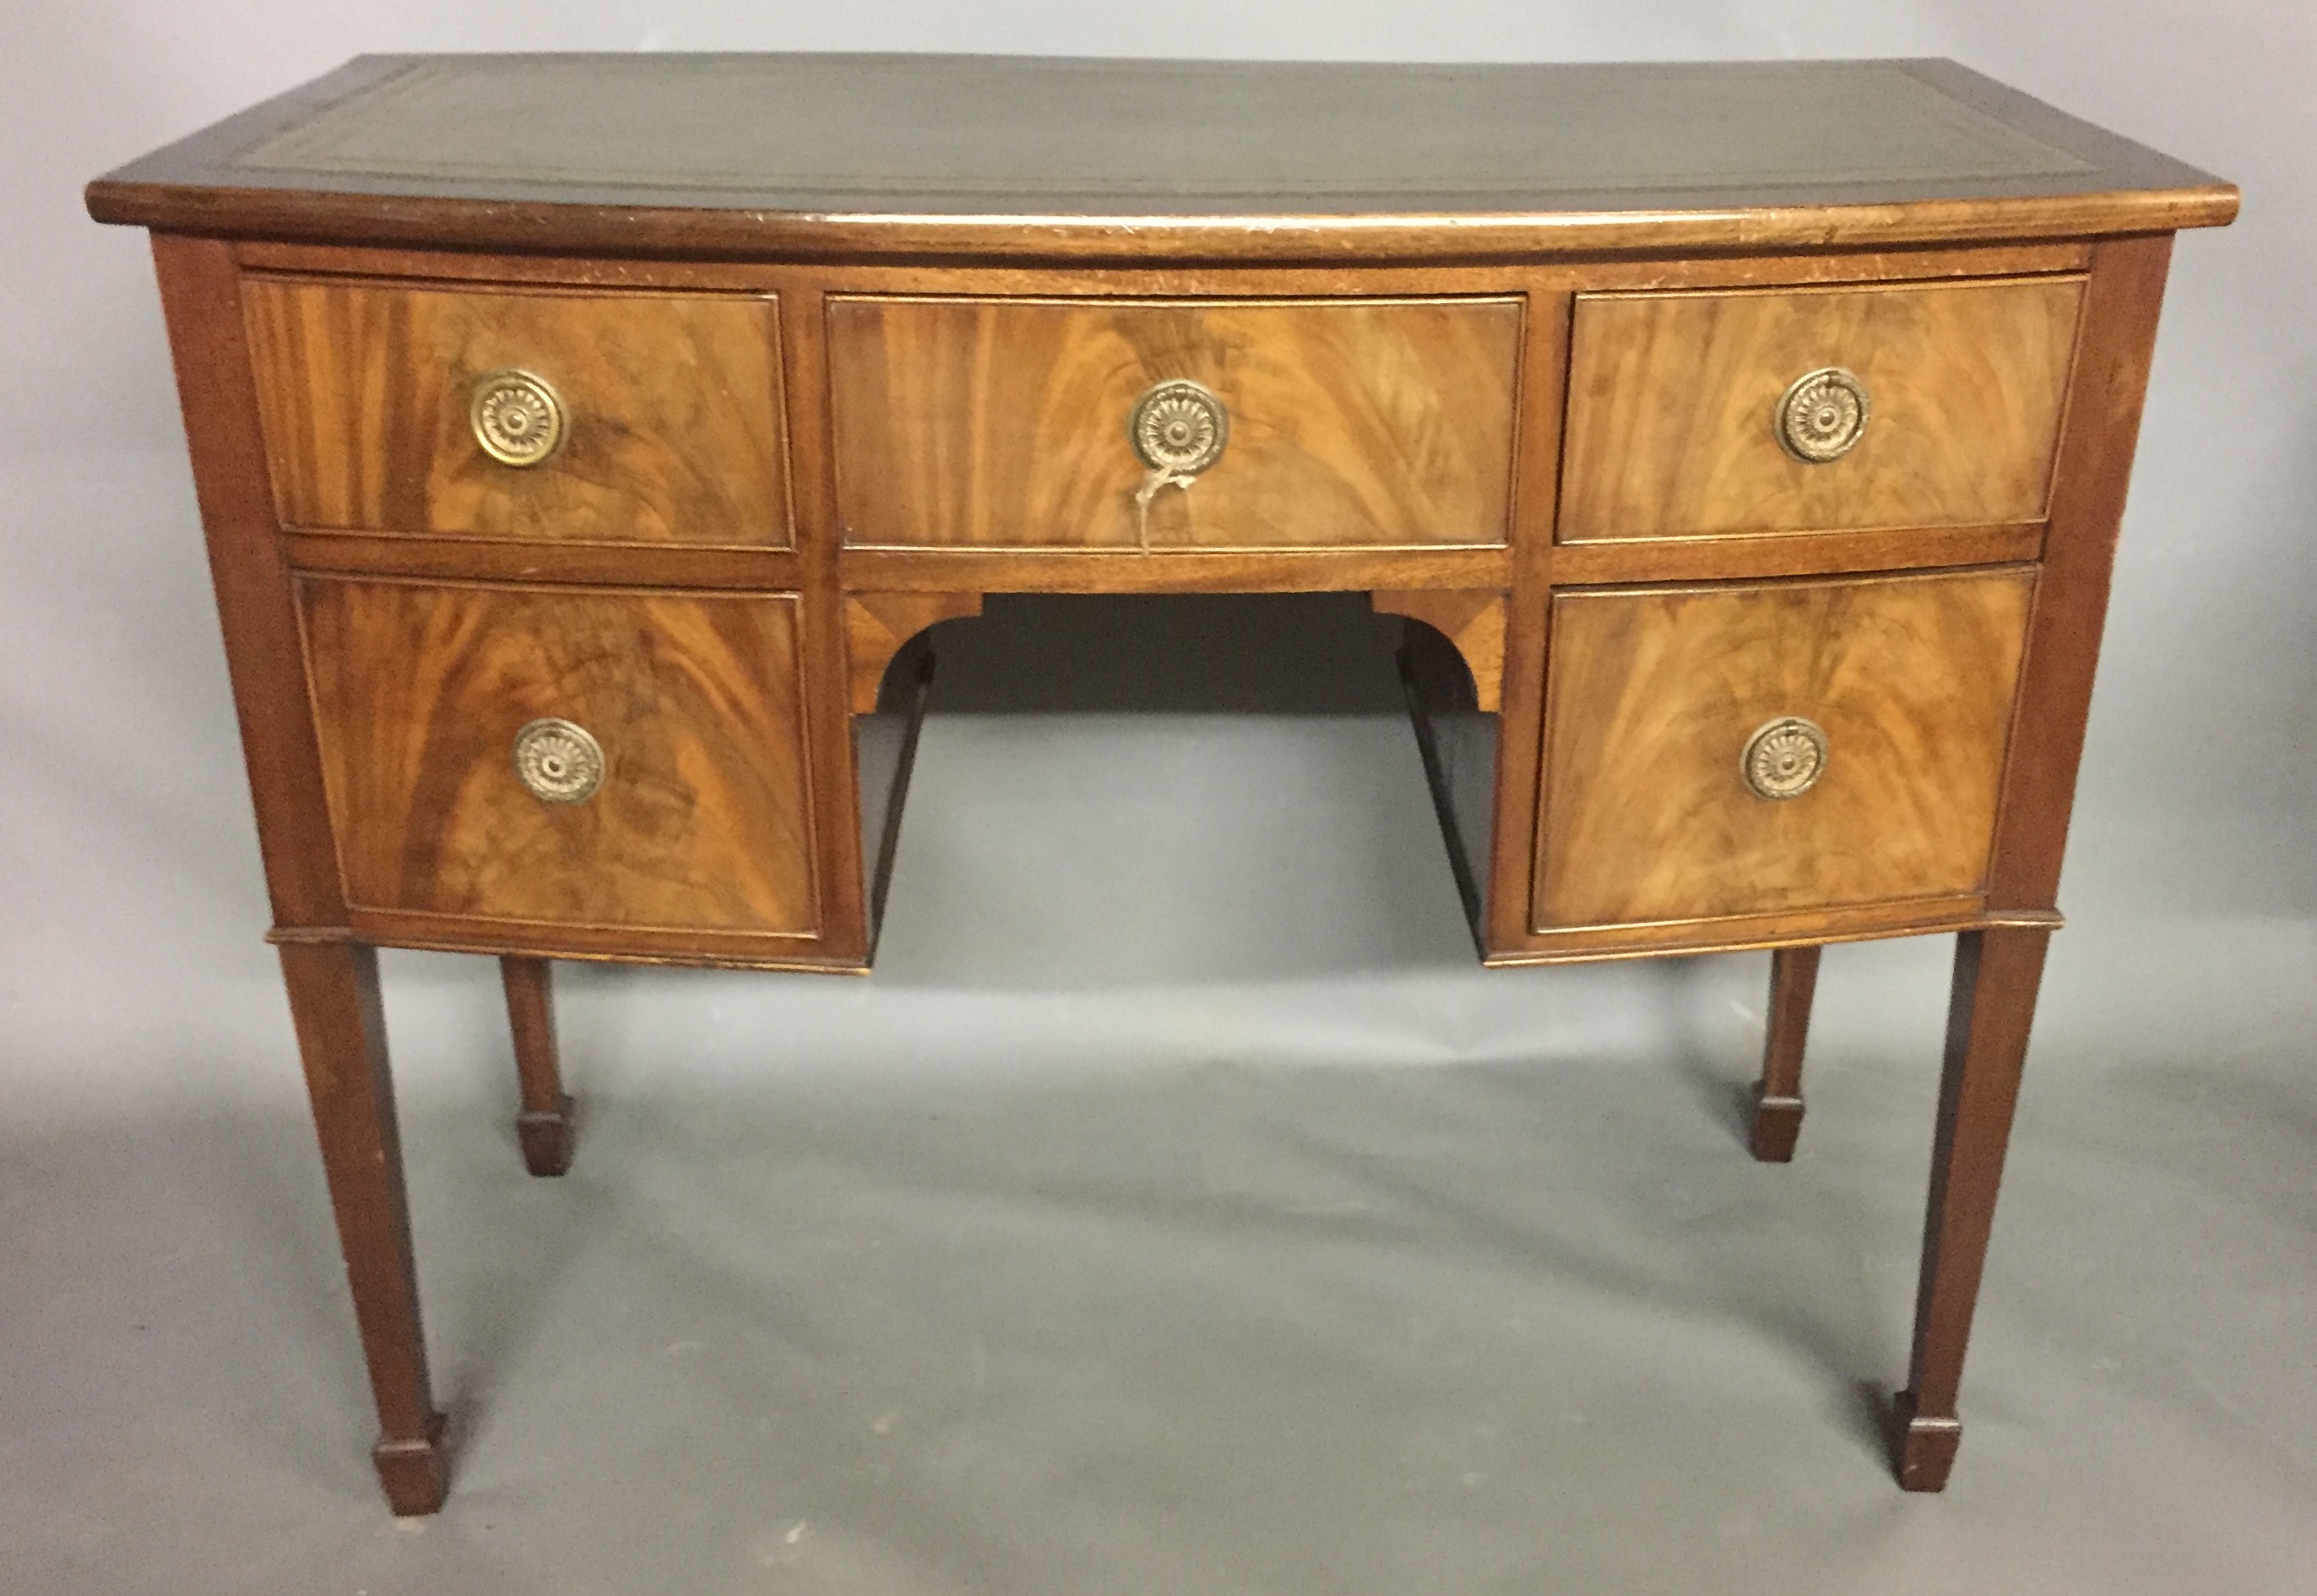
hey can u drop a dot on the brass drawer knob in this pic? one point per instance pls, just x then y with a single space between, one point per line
1784 759
559 761
516 416
1178 429
1823 416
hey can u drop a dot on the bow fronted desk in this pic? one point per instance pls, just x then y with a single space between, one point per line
579 440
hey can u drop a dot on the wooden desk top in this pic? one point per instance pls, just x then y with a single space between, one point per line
818 154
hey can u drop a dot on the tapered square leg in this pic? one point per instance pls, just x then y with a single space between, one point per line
1997 975
1779 1098
415 1475
1923 1449
334 1003
544 1126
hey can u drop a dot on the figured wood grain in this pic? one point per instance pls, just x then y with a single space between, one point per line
1671 428
673 411
876 625
1654 693
1473 621
1002 423
702 820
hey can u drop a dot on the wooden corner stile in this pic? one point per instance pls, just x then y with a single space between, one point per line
1999 970
332 984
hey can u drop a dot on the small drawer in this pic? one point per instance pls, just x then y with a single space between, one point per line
596 417
1734 751
1098 424
566 757
1795 410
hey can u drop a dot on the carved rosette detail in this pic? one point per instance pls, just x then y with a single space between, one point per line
558 761
1784 759
1180 428
1823 416
516 418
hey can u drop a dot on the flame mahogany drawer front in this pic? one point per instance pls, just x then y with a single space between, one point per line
1010 423
1786 410
1883 708
581 441
625 417
519 762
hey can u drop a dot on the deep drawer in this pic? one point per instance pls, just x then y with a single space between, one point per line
566 757
605 417
1759 748
1782 410
1001 423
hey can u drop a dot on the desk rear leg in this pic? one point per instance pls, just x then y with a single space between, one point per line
334 1003
1778 1097
544 1126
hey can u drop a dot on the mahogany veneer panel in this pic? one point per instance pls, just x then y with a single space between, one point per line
1653 693
1672 399
702 821
673 416
998 423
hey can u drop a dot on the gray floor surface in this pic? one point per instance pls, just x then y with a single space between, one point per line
1179 1210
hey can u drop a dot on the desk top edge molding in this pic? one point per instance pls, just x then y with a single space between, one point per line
1980 163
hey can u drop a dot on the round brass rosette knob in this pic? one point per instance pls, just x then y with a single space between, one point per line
558 761
1823 416
516 418
1784 759
1178 429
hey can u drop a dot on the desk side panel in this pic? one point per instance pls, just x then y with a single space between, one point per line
2114 351
200 296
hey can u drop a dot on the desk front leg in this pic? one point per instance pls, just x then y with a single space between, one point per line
334 1000
1996 976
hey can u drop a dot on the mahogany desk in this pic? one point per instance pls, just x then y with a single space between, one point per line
579 440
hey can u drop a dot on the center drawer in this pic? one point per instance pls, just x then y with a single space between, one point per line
565 758
1024 424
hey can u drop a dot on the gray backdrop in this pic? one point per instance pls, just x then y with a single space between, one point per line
1177 1208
